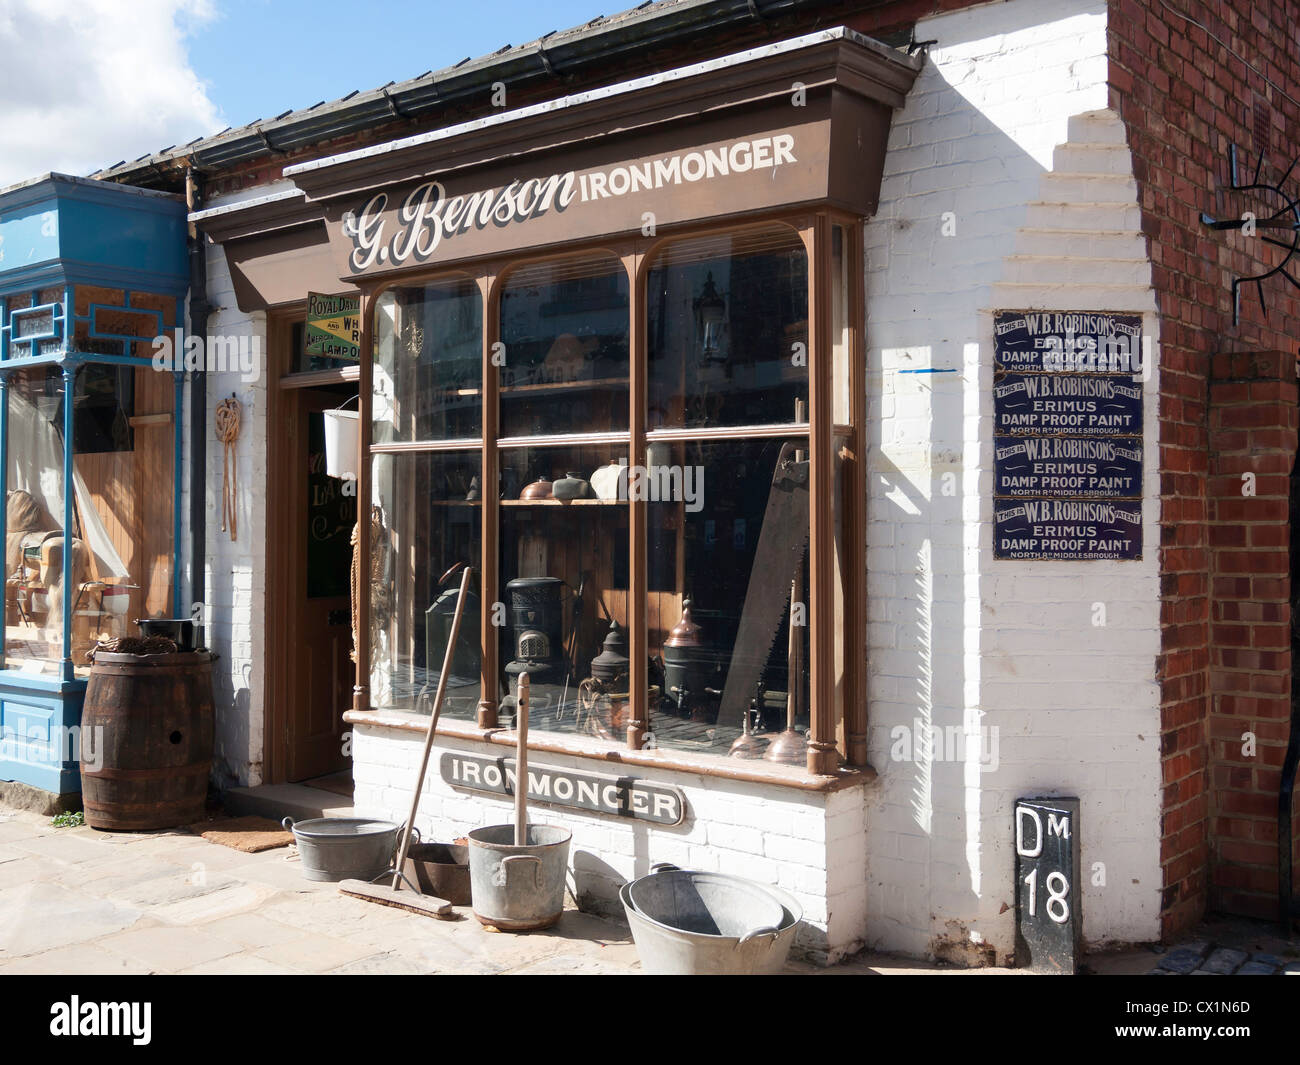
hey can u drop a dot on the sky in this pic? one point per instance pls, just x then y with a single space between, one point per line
85 83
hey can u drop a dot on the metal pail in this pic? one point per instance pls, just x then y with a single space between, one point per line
518 889
344 848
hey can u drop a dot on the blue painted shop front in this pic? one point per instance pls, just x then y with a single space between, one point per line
90 449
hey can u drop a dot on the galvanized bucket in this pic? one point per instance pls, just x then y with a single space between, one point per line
344 848
518 889
675 898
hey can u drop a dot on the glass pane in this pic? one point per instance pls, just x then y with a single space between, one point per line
125 451
34 604
563 579
564 326
428 373
423 526
331 515
733 543
121 548
301 362
840 334
727 330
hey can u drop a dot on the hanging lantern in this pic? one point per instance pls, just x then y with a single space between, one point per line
710 317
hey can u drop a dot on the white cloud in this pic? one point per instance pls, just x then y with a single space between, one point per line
84 83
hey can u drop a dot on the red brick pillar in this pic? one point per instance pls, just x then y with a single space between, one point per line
1253 421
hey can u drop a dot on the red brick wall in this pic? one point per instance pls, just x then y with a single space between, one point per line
1253 420
1185 98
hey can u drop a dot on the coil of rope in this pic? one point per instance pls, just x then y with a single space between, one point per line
226 423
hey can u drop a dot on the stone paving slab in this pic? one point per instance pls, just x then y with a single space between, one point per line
314 953
244 964
38 917
78 959
168 949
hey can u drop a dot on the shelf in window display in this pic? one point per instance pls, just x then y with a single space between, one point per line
543 387
530 502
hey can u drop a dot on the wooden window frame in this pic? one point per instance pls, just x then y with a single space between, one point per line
836 742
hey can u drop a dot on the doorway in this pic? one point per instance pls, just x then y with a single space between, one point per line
310 673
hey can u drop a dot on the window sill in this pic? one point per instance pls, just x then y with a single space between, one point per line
753 772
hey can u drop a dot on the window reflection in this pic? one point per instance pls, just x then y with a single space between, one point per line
564 327
728 330
428 371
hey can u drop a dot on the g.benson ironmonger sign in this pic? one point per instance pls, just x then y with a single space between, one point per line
630 797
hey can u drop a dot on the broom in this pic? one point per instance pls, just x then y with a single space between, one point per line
426 905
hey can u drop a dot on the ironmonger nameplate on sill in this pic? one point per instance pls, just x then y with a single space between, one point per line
630 797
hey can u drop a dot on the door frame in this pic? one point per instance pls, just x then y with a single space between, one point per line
283 547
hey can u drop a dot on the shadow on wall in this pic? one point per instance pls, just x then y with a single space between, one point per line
955 194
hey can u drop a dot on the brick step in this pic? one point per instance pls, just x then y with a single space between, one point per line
1053 269
1081 243
1079 216
1096 159
1096 127
1087 188
1075 296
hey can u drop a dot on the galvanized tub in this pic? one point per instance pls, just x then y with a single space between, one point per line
666 948
440 869
518 889
344 848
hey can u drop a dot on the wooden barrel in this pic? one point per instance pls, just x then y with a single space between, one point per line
149 718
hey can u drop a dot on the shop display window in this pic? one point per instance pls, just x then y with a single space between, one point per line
120 541
709 530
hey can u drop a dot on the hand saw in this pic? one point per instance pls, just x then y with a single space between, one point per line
781 545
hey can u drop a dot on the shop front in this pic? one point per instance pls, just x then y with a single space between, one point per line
613 363
90 274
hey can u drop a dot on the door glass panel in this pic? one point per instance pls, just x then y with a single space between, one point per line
331 514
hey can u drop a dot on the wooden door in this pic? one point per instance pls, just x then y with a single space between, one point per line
320 672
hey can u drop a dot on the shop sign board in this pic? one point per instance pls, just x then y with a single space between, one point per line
334 326
1068 400
1043 404
1068 528
1048 915
1068 467
627 797
1068 342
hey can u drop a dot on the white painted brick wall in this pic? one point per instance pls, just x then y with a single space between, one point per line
1006 128
235 571
809 844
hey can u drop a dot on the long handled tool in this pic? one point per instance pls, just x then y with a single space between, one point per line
412 900
521 765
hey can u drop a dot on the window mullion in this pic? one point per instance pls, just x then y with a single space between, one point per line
489 530
638 532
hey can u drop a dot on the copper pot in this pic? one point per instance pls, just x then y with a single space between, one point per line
539 489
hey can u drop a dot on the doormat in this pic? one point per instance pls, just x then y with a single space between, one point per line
248 834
